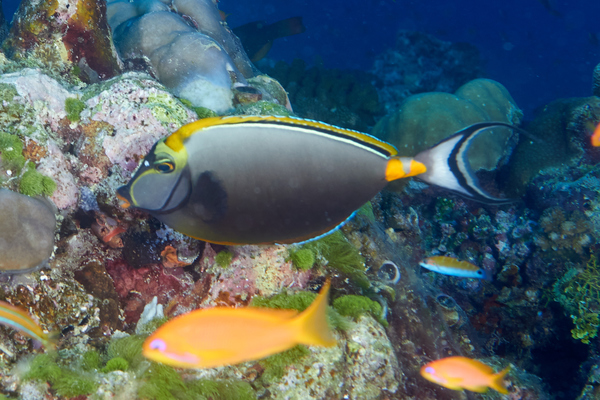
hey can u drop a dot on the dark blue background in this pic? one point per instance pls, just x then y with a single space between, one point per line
538 56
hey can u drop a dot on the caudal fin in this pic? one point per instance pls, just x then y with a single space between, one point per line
311 324
497 382
448 167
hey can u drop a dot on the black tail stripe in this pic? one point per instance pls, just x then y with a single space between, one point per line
466 134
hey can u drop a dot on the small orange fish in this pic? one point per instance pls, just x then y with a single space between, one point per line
17 318
219 336
458 373
596 136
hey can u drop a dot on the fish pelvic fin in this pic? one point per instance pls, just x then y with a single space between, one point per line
497 381
447 164
403 167
311 325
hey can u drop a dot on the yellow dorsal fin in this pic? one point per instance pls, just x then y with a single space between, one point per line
176 139
311 325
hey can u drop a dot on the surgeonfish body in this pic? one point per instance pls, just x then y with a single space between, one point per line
20 320
452 266
259 180
213 337
458 373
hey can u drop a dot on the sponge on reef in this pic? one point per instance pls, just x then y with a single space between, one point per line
27 227
425 119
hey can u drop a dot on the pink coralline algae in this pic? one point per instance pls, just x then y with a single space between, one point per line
137 286
136 116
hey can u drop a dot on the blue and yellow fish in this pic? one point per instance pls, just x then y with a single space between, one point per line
452 266
18 319
262 179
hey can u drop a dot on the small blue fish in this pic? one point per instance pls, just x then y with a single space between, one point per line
452 266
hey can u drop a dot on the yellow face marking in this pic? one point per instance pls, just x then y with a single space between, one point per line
176 139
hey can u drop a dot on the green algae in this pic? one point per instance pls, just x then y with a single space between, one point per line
201 112
299 301
354 306
339 254
223 258
161 382
91 360
342 257
366 211
116 364
11 112
64 381
276 364
74 107
166 108
35 184
303 259
30 182
11 152
262 107
129 348
579 293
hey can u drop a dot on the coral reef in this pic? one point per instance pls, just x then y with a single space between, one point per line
69 39
115 275
564 129
342 98
423 120
421 63
579 293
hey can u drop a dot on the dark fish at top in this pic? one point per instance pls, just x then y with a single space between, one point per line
550 9
257 179
257 37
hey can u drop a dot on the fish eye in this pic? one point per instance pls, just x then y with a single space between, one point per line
479 272
164 166
429 370
158 344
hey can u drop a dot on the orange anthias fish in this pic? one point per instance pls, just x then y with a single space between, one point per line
17 318
219 336
596 136
458 373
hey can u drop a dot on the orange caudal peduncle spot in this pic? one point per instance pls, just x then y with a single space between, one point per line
397 168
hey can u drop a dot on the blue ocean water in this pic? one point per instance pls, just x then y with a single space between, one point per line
540 50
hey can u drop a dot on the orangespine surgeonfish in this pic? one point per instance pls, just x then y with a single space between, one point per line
263 179
20 320
453 267
217 336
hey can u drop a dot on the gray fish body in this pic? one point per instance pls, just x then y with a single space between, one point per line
260 184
